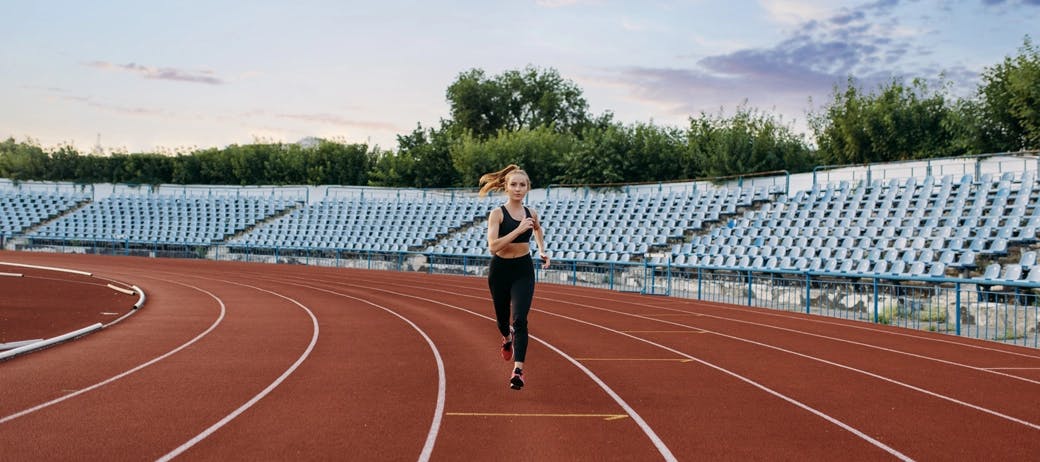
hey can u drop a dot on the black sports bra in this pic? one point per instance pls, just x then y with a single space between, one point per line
509 224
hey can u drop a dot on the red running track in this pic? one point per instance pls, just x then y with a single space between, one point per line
274 362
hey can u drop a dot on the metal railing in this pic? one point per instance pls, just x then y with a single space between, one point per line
994 310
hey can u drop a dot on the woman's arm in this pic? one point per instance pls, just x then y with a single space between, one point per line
539 239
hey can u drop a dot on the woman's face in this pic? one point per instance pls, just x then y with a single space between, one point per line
517 186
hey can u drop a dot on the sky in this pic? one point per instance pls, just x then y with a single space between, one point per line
170 76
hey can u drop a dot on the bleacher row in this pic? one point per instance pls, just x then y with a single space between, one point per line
164 220
617 227
384 225
901 228
19 210
907 227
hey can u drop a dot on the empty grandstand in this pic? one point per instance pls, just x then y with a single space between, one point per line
952 253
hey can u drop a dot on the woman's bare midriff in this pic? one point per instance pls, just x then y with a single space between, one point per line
514 250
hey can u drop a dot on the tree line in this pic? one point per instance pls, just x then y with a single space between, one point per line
536 118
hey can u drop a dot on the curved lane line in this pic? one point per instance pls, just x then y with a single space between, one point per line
848 367
656 440
780 314
131 371
438 414
751 382
831 363
263 393
836 339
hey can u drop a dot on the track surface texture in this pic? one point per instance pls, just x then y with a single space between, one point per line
234 361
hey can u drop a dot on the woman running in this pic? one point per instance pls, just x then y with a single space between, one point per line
511 273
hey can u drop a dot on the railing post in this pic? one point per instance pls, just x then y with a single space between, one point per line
875 300
668 281
749 291
700 282
957 307
808 295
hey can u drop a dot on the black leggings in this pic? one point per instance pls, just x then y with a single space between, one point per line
511 281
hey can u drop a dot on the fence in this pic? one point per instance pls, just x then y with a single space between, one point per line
1002 311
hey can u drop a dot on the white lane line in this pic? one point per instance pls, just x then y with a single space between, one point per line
131 371
832 363
438 413
263 393
820 319
836 339
751 382
870 374
649 432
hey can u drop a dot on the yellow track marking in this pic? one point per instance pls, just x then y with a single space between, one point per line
505 414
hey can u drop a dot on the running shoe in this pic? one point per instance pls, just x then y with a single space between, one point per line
516 382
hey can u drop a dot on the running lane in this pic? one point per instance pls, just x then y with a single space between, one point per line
157 408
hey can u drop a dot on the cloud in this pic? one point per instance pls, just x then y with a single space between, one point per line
332 119
160 73
125 110
817 54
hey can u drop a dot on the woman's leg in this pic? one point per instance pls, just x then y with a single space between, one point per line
499 284
522 293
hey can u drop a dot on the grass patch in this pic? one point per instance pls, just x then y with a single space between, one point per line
932 313
1010 334
887 313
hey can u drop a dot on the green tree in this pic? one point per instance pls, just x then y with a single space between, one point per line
63 164
617 153
748 142
145 169
430 154
898 122
538 151
22 161
516 99
343 164
187 169
247 162
393 169
601 157
1009 102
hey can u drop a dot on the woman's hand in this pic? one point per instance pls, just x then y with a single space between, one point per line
526 224
545 260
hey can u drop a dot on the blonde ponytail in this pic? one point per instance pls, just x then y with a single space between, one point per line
496 181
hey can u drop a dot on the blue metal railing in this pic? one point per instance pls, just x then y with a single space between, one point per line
995 310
